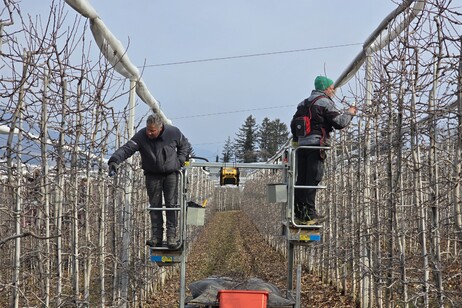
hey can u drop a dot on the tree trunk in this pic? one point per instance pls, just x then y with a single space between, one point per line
59 197
45 190
458 166
434 177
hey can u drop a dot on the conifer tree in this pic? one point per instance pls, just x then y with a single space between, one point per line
246 140
228 151
271 136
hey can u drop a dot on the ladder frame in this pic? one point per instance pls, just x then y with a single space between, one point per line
302 235
167 255
301 230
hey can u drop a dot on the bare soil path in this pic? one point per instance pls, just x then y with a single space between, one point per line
231 246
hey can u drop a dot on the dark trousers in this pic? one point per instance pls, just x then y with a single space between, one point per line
156 186
310 170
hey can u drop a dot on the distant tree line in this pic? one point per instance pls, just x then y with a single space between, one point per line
255 142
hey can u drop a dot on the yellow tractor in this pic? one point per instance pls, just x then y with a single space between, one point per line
229 175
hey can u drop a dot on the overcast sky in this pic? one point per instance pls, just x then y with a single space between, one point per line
274 50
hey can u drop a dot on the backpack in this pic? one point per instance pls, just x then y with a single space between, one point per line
301 121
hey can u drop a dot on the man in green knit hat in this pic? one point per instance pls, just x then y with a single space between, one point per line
325 117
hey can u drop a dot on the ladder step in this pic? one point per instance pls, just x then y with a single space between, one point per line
164 247
163 208
306 227
307 224
314 226
307 187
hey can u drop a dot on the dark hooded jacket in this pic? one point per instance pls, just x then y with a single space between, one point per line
325 117
161 155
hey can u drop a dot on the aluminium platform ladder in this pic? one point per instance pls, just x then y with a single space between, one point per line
297 234
167 256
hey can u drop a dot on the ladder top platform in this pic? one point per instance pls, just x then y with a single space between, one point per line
164 256
303 236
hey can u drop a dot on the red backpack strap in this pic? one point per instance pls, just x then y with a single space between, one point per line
310 104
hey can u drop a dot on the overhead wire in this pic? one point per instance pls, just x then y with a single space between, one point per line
240 57
228 112
250 55
244 56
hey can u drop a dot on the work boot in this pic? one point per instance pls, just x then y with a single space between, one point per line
299 221
156 235
314 218
172 241
154 242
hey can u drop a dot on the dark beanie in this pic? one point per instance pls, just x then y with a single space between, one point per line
321 83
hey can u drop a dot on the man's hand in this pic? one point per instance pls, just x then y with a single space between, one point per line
352 110
112 168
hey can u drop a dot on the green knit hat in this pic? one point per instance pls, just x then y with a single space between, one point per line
321 83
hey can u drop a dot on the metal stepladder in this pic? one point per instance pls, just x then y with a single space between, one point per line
297 234
167 256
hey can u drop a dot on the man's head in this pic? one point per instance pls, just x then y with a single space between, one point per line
322 83
154 126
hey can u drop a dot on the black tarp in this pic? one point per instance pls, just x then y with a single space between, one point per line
205 292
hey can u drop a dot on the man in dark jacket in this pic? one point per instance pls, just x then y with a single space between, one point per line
163 149
325 117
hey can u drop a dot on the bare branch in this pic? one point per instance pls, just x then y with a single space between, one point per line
25 234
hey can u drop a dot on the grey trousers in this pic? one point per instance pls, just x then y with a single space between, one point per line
310 166
156 186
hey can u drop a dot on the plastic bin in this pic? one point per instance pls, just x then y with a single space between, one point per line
243 298
196 216
276 193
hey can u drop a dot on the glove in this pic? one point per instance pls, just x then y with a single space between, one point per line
112 168
352 110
